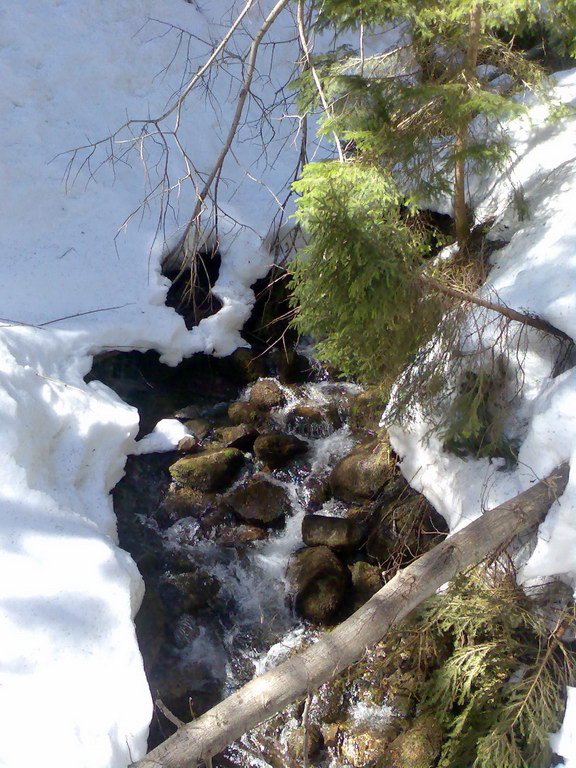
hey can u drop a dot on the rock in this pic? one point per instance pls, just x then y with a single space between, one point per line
189 444
182 592
292 367
240 436
208 471
366 580
338 533
188 412
366 410
241 412
362 473
295 742
313 420
150 623
260 501
200 428
318 493
366 748
276 448
319 581
240 535
181 501
419 746
266 394
329 704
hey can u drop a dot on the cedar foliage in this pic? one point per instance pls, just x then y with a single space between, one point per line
492 667
354 283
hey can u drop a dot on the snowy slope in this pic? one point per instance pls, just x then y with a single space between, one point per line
72 688
535 272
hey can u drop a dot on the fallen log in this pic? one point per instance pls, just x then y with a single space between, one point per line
197 742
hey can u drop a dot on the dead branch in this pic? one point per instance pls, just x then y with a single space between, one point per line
304 672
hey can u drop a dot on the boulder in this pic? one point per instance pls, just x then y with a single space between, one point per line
313 420
260 501
266 394
338 533
362 473
319 581
240 535
181 501
366 580
183 592
360 749
241 412
200 428
276 448
189 444
240 436
208 471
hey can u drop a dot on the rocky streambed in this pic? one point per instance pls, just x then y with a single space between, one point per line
280 513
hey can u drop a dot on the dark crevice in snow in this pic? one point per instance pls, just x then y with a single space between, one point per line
191 291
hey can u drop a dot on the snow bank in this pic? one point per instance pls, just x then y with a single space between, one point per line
72 686
534 272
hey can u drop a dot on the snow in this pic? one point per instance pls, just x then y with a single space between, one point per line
77 281
535 272
72 686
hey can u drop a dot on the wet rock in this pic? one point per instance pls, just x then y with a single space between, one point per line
366 748
189 444
208 471
181 501
240 535
266 394
318 493
200 428
313 420
276 448
419 746
338 533
295 742
241 412
260 501
319 581
240 436
366 580
366 410
182 592
362 473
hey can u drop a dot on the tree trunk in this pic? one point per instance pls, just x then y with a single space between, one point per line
197 742
461 218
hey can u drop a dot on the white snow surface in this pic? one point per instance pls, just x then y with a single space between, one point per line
75 283
72 688
535 272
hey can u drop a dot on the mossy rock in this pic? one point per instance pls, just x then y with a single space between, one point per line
366 580
183 501
182 592
266 394
419 746
240 436
208 471
314 421
363 472
320 581
295 742
241 412
260 501
338 533
276 449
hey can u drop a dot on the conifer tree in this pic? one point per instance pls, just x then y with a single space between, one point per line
411 120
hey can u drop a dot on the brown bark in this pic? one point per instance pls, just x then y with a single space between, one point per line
461 218
511 314
270 693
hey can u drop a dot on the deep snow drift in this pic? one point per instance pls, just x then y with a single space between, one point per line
71 71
